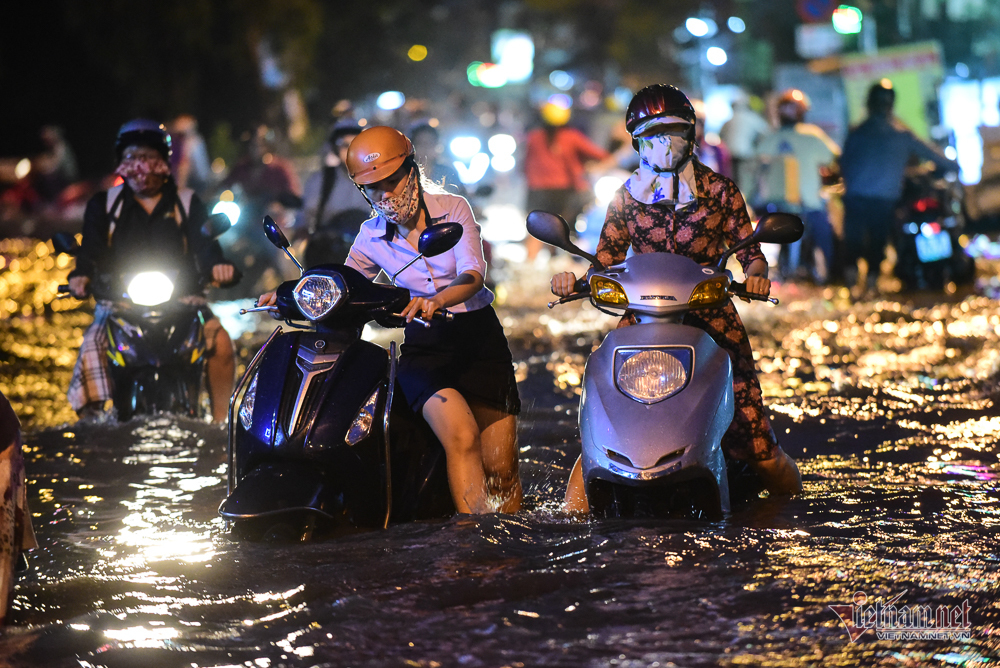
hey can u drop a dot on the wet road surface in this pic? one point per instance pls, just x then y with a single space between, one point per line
889 407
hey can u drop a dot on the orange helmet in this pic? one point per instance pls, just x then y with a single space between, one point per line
793 105
376 153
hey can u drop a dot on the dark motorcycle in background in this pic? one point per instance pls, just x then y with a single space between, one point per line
321 440
929 224
156 335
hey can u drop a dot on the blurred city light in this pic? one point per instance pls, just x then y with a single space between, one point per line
417 52
230 208
962 70
390 100
472 72
713 28
502 145
465 146
514 53
561 80
622 96
22 168
605 188
475 170
696 27
716 56
503 163
491 75
561 100
847 20
736 24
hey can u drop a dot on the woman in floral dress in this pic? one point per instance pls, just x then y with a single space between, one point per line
674 204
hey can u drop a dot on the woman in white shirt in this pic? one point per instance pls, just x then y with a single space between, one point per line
458 374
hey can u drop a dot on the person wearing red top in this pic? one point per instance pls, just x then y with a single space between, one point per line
554 166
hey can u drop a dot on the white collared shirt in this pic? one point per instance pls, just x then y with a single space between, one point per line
379 246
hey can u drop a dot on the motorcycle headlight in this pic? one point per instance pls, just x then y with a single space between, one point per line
231 209
710 292
652 375
316 295
246 408
150 288
362 424
607 291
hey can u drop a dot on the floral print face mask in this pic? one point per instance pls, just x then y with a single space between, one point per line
400 208
144 174
662 153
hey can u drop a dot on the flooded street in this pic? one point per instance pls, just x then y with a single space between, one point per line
888 406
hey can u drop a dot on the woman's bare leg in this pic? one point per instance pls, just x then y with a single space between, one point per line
498 434
452 421
221 370
576 495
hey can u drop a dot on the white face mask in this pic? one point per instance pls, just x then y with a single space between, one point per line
663 153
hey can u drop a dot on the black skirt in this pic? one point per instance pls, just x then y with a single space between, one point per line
468 354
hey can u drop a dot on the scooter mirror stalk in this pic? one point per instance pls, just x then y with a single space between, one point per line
554 230
278 240
774 228
435 240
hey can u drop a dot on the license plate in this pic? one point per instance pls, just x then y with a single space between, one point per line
935 247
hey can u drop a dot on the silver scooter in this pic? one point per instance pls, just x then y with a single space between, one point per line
657 396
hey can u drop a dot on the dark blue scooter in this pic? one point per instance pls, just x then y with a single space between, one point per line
321 440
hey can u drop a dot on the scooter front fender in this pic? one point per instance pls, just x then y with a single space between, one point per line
628 442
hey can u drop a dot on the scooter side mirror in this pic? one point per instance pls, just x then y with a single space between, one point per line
216 225
554 230
438 239
779 228
274 233
278 240
63 242
774 228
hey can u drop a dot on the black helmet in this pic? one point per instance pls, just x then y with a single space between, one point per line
881 97
657 101
143 132
341 128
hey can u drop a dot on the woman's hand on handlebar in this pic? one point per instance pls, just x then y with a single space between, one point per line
79 286
757 285
267 299
564 284
422 307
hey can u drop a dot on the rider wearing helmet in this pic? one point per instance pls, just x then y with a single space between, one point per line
873 165
146 216
791 161
673 203
457 374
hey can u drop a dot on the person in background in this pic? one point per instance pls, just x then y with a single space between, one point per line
427 148
873 164
332 207
147 216
555 155
673 203
791 161
189 161
740 134
16 532
715 154
55 167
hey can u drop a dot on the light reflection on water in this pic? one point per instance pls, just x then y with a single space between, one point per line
889 409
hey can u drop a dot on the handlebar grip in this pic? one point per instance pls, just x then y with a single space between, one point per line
581 285
444 314
740 290
63 290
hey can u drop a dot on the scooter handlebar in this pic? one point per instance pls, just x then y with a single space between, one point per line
740 290
581 290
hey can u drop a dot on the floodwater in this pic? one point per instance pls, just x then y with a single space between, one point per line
889 407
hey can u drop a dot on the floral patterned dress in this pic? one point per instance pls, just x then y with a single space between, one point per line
702 231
